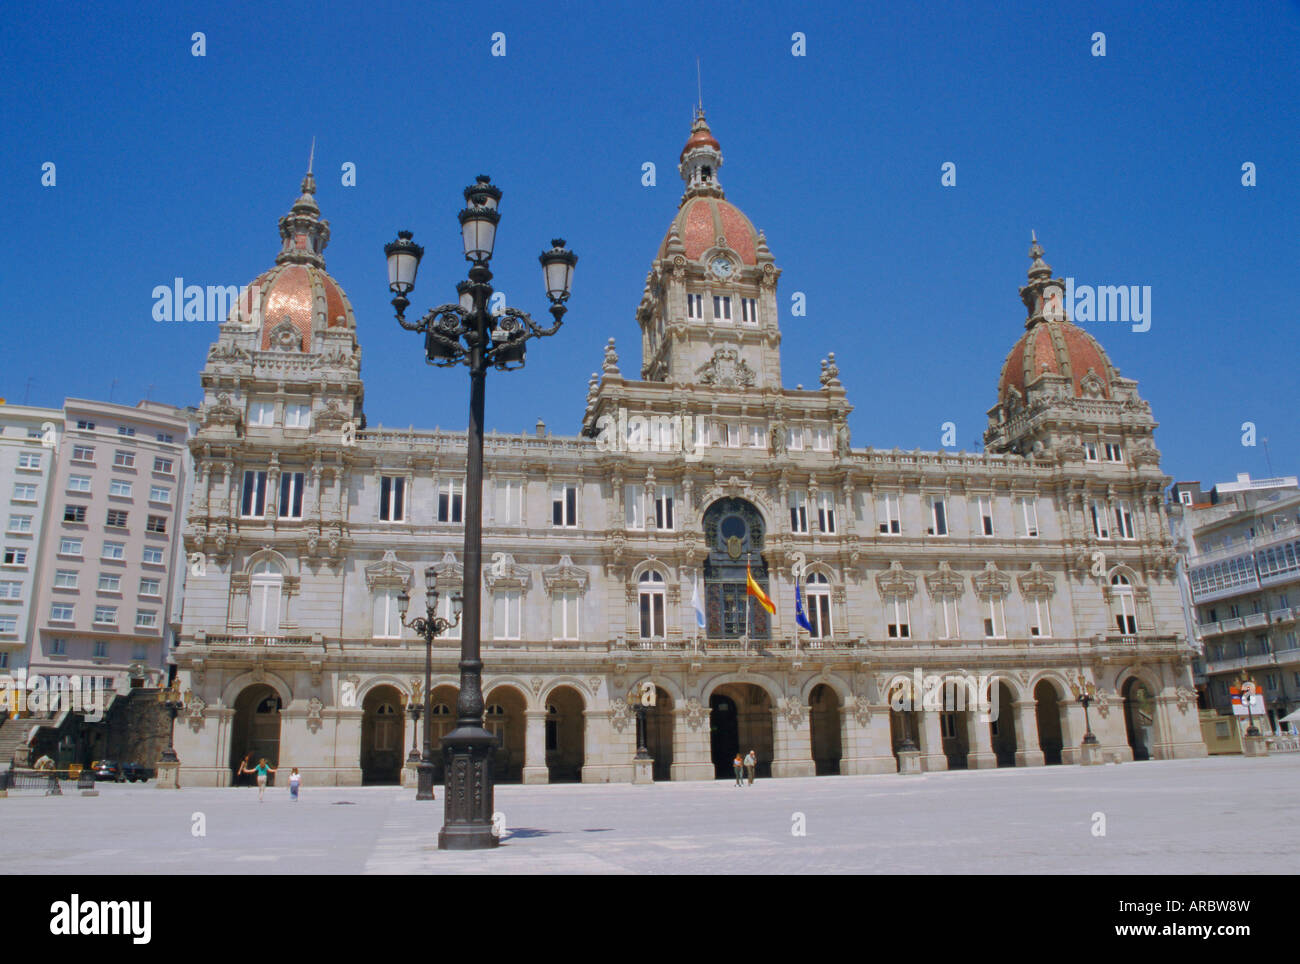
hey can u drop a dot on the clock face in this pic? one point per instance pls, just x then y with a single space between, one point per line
722 267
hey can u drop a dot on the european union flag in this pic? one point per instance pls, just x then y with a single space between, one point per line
800 616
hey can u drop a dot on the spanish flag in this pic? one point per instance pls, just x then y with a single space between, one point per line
752 588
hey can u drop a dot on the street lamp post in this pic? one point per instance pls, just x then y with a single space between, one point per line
429 627
413 708
1085 692
1249 688
464 333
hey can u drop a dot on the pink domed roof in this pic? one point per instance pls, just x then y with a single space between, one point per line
702 220
303 294
1057 348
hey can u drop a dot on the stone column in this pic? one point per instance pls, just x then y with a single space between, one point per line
201 750
535 770
1028 751
932 755
791 741
1071 730
608 747
866 748
692 751
346 762
981 755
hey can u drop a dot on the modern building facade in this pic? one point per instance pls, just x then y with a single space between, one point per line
1242 542
1020 571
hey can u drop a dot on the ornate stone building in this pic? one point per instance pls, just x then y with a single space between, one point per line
1018 569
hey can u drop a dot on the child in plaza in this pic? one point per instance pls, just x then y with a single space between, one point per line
295 780
262 769
738 767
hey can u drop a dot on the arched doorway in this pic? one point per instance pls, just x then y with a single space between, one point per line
1048 711
442 721
740 720
824 717
733 533
659 733
1003 727
564 735
953 724
383 723
1139 717
256 731
504 717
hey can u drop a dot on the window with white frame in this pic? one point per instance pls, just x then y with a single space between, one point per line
821 439
995 619
83 453
898 617
8 624
509 502
59 645
1100 527
253 503
634 506
15 556
798 510
265 592
24 492
146 619
695 307
664 518
1029 513
165 437
564 615
297 416
152 556
392 498
826 512
1040 616
156 524
291 486
100 648
125 430
506 612
116 518
69 547
564 505
20 523
938 516
106 615
150 587
162 494
123 459
110 583
755 437
1123 521
387 621
261 413
1114 453
1090 451
65 579
650 599
985 508
78 483
1124 611
947 625
162 466
888 517
721 308
819 605
29 460
120 488
1185 497
85 425
749 311
60 612
10 589
794 438
74 513
446 611
451 500
115 551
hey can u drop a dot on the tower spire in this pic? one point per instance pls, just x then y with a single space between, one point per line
303 233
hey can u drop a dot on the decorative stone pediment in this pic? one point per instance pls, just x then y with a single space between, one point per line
944 584
1144 453
314 708
1092 385
1036 583
221 412
564 577
726 369
503 573
332 417
227 352
450 570
388 573
992 582
896 581
285 337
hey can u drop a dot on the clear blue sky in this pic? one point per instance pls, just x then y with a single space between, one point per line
1128 167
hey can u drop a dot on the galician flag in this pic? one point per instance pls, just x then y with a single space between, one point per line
800 616
697 605
753 589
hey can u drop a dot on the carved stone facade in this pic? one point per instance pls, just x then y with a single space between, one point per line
597 548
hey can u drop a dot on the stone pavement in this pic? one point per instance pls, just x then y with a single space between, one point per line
1216 815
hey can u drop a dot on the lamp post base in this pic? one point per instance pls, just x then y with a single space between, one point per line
424 781
468 752
1090 753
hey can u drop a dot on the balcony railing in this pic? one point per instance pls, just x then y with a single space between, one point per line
255 640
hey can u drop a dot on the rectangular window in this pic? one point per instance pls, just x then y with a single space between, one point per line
757 439
506 614
106 615
947 625
1040 618
123 460
114 551
8 624
564 506
1185 497
61 613
1029 512
564 615
29 460
10 589
1100 528
158 524
139 652
826 512
254 500
74 513
451 496
392 498
1090 451
986 515
634 506
731 435
159 494
664 508
108 583
149 587
1114 453
695 306
445 611
749 311
116 518
297 416
24 492
125 430
938 517
78 483
85 425
101 646
387 624
509 502
798 511
819 615
83 453
120 488
162 465
721 308
20 523
888 515
898 616
1123 521
794 439
651 605
15 556
70 547
59 646
261 413
291 484
995 624
821 439
153 556
166 438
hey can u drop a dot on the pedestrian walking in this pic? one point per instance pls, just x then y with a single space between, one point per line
739 769
751 762
261 771
295 781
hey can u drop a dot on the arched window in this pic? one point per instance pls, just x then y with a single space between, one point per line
733 533
442 721
819 605
1122 607
386 735
650 599
265 592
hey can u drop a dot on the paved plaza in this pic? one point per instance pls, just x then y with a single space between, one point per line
1215 815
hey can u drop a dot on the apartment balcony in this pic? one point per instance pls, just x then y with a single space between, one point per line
314 642
1283 533
1285 658
1253 620
1274 617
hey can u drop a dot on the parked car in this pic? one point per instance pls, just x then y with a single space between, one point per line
135 771
107 770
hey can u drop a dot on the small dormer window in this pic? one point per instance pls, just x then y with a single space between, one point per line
706 172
